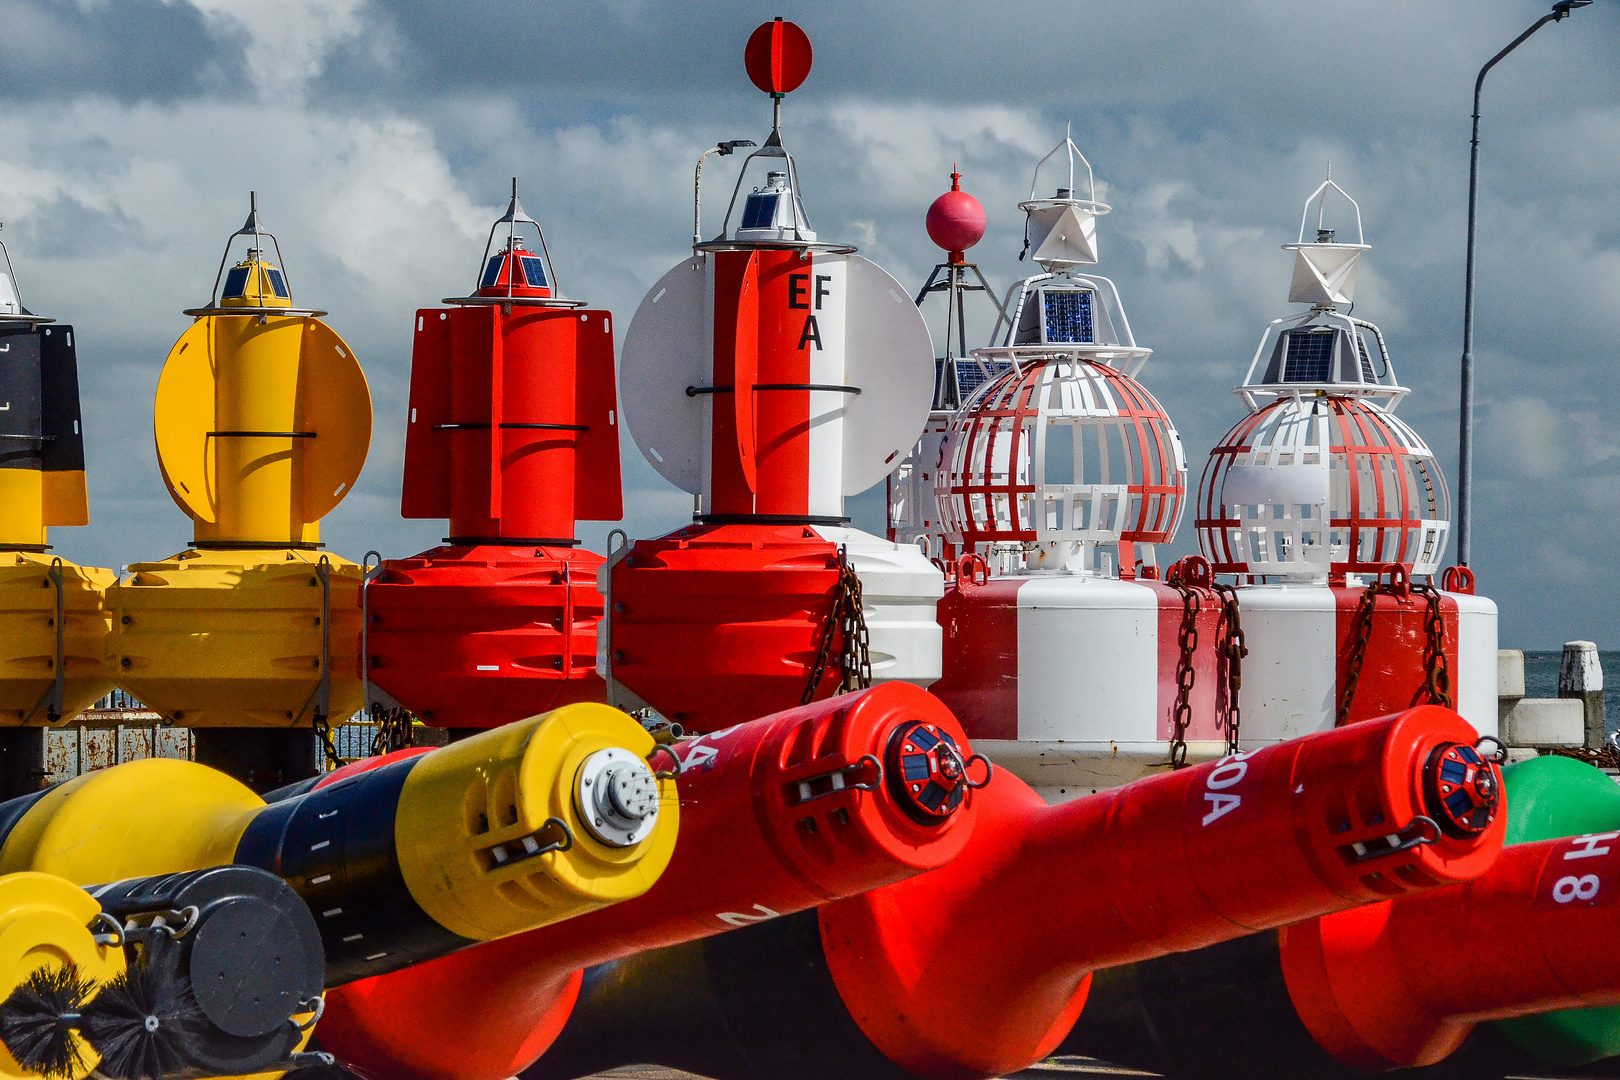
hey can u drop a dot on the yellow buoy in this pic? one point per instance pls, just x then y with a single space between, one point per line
53 616
415 857
263 422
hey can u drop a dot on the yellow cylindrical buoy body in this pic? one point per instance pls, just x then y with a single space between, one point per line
31 583
239 638
402 859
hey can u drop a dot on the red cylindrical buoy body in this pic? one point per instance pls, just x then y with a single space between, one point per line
980 968
982 988
513 436
1402 984
779 815
715 622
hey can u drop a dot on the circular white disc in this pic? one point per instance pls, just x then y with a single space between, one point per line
665 351
890 355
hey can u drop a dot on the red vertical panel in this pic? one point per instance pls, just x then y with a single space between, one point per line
497 407
598 488
729 489
788 334
745 375
427 452
471 402
980 662
537 464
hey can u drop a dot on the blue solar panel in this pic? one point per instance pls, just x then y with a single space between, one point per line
1310 356
492 272
534 271
760 210
1366 364
1068 316
236 281
277 282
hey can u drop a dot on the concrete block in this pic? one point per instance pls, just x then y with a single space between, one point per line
1510 673
1546 722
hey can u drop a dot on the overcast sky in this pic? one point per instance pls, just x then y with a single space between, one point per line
381 138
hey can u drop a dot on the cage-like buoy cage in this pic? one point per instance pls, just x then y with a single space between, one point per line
1322 479
1064 452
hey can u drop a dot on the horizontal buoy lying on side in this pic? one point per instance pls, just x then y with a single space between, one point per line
412 859
207 973
778 815
980 968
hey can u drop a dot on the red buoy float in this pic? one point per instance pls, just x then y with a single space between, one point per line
513 437
779 815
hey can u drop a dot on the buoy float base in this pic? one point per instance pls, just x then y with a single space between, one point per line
234 638
28 636
478 636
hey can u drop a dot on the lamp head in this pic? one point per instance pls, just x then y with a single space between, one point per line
1562 9
726 148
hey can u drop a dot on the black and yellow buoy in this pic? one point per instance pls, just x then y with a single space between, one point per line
263 421
53 615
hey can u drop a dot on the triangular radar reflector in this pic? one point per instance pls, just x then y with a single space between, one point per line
1063 235
1324 273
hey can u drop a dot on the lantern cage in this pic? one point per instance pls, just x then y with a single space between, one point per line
1062 456
1316 486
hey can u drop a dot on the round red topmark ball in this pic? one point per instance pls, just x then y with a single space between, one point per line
777 57
956 220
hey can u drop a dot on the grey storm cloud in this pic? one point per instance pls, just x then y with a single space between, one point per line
381 138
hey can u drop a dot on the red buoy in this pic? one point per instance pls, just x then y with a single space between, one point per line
778 815
777 57
512 436
956 220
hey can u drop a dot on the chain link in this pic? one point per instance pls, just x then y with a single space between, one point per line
1232 648
1181 714
1436 668
396 729
1361 632
323 732
847 621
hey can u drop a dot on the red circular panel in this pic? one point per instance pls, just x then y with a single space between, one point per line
778 57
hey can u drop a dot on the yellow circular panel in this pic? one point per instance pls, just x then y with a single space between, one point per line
183 415
262 423
337 406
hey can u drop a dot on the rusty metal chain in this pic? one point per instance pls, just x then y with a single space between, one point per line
1361 632
396 729
323 732
1186 676
847 620
1436 668
1232 648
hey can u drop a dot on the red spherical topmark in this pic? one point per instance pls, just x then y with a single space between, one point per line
777 57
956 220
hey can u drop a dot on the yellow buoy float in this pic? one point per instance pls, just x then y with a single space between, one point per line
263 422
53 616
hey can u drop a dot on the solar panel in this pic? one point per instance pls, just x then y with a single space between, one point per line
1068 315
1310 356
278 283
534 271
759 212
236 281
492 273
1366 362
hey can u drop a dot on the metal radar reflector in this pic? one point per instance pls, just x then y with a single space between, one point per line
263 424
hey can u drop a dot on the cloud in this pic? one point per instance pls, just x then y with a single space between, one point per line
382 137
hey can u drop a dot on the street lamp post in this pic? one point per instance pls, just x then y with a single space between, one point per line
1465 424
724 149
